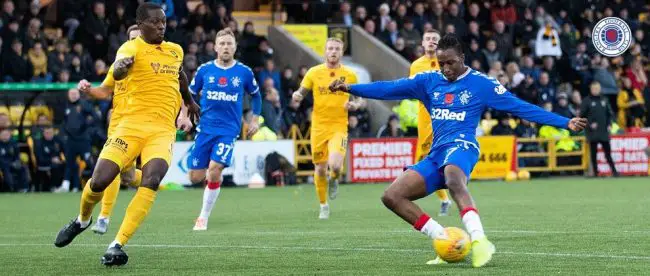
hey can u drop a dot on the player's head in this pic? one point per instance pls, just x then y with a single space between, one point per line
151 19
133 32
333 50
430 41
225 45
451 57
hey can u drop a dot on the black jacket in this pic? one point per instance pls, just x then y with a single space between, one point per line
45 150
9 154
597 110
78 120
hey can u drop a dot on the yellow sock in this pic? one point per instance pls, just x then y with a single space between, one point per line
110 196
138 178
321 188
88 201
135 214
442 195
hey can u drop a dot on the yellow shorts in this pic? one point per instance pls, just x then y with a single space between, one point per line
112 125
425 133
324 143
127 143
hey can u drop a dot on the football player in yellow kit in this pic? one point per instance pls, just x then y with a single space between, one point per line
329 128
428 62
155 83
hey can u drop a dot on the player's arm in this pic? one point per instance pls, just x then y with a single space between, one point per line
497 97
253 89
193 109
406 88
123 60
306 86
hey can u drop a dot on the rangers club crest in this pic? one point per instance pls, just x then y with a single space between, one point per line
611 36
464 97
235 81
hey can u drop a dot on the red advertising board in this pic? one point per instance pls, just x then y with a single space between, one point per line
628 153
380 159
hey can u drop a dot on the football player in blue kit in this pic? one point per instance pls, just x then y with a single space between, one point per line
221 83
456 97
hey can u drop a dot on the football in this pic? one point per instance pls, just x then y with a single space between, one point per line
455 247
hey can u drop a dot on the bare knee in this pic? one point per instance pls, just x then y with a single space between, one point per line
152 181
104 173
390 198
214 171
197 176
455 185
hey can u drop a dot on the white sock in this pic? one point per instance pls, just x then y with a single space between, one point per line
433 229
324 205
473 225
113 244
84 224
103 218
209 198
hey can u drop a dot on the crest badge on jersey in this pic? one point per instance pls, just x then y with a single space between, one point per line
465 96
235 81
611 36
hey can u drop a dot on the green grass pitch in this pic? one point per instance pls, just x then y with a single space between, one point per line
561 226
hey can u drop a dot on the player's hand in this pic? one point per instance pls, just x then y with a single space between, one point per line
124 63
577 124
84 86
297 96
184 123
352 106
339 85
194 112
253 127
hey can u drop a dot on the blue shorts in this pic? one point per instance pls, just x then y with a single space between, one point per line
431 168
217 148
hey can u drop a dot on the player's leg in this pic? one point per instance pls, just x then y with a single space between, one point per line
458 165
198 163
156 156
210 194
319 158
125 178
337 146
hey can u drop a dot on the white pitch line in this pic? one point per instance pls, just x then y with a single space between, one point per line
306 248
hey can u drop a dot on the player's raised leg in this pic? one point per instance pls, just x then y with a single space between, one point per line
210 195
152 173
320 183
104 173
108 202
456 181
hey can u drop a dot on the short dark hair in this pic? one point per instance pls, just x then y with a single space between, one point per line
450 41
142 13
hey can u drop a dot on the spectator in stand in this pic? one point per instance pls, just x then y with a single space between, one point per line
16 67
580 62
10 32
63 76
576 101
562 107
419 17
631 106
390 34
270 72
515 76
70 12
33 34
491 54
548 42
412 36
38 59
546 91
208 53
49 165
526 29
59 58
87 63
606 78
503 128
344 15
42 121
391 129
99 73
360 15
354 130
528 68
474 53
641 39
548 66
503 39
476 14
503 11
383 19
453 17
400 15
271 109
77 123
8 11
14 173
568 40
96 29
291 115
400 48
473 33
496 69
176 34
637 75
369 27
597 110
76 73
288 84
201 16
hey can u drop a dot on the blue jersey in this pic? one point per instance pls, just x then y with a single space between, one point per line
222 95
456 107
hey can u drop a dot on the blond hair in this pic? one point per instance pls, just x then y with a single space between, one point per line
335 39
225 32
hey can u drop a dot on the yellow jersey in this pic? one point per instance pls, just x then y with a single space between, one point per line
329 106
425 132
119 91
152 86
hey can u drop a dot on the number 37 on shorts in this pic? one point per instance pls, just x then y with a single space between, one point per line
211 147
